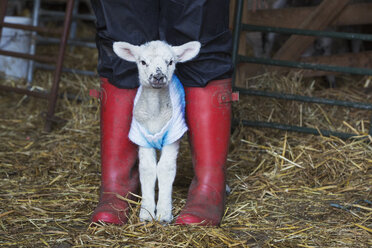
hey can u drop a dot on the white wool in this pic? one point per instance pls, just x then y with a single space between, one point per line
158 119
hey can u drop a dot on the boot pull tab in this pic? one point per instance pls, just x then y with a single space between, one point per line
226 97
235 96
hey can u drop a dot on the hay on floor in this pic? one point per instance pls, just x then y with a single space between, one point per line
288 189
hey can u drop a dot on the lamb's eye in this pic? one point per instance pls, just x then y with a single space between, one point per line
143 62
170 62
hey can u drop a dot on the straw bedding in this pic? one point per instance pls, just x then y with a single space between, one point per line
287 189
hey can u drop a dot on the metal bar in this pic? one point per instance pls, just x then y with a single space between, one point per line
60 14
75 11
69 42
299 129
306 32
54 91
35 22
69 70
304 65
31 28
359 105
3 6
46 59
237 29
236 35
24 91
42 95
353 14
238 26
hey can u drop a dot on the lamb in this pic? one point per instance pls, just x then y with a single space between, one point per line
158 119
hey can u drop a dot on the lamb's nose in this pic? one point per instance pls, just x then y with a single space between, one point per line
159 77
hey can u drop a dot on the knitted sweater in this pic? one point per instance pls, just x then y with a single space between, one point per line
172 131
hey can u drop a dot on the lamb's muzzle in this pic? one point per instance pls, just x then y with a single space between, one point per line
158 80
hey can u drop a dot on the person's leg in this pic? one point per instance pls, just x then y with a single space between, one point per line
134 22
118 155
207 81
205 21
131 21
208 114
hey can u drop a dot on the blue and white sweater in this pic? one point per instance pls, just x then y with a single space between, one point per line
172 131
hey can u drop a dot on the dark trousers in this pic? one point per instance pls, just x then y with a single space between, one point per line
174 21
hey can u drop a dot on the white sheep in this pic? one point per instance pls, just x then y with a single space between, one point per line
158 119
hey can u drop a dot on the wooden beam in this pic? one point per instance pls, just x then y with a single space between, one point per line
353 14
323 15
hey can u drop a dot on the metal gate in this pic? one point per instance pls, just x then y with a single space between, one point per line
239 27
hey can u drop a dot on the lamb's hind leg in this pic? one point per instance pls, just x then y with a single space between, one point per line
166 172
147 171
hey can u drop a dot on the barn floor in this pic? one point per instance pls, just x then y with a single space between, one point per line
288 189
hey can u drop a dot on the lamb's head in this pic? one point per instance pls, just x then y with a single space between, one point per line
156 60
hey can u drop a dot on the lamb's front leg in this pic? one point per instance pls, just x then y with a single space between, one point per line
147 171
166 172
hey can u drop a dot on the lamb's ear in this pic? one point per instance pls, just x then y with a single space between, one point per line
187 51
126 51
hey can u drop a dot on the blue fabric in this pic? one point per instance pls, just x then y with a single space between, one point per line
172 131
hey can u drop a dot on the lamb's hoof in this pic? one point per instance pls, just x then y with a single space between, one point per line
146 215
164 216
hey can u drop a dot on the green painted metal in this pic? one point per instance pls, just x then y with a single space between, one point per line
238 27
320 33
308 130
236 34
304 65
292 97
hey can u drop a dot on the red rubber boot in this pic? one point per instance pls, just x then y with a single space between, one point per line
118 155
208 114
